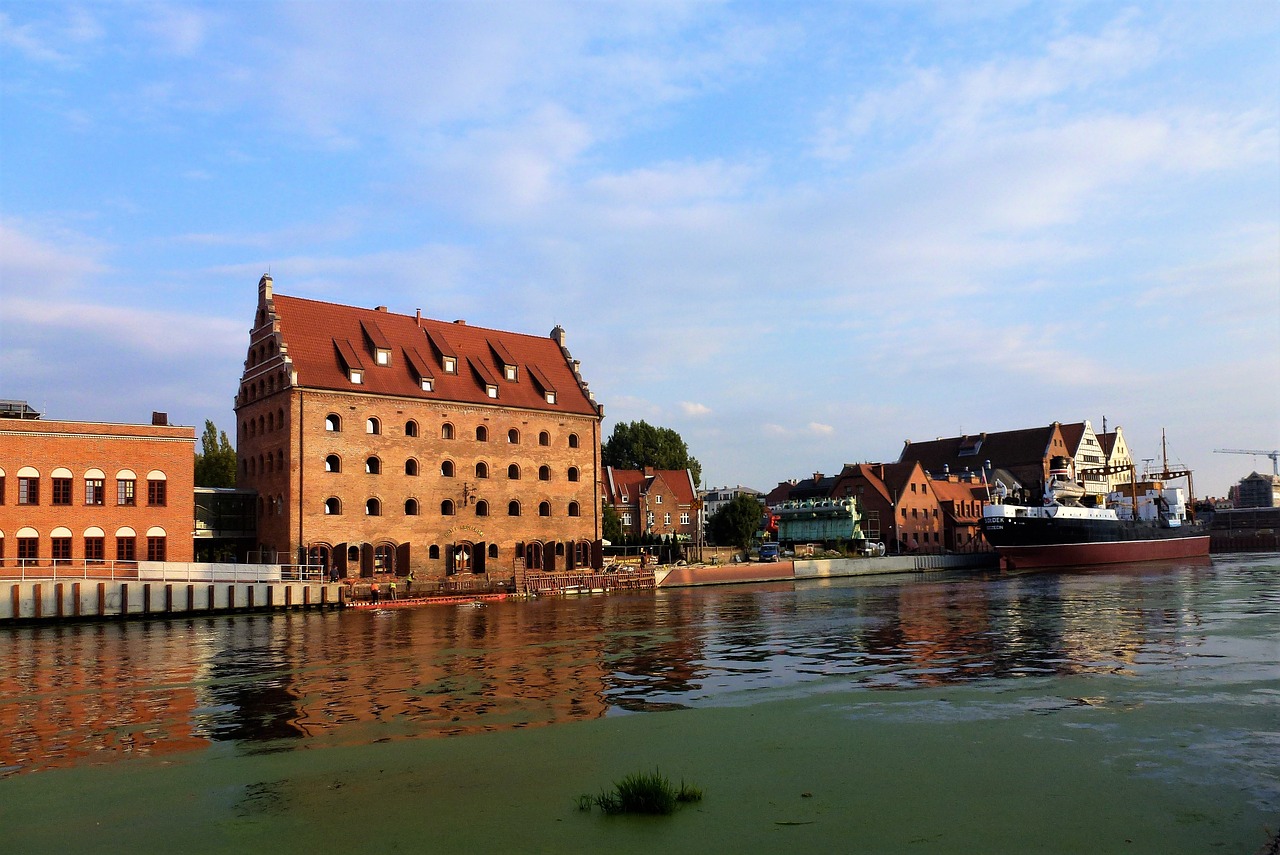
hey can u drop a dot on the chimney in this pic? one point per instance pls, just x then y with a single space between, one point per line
418 314
460 322
162 419
379 308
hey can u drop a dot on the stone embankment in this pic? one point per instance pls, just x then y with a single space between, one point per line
815 568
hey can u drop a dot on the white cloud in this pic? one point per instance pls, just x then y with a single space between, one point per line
691 409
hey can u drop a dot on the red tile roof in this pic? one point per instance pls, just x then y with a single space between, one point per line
633 483
315 333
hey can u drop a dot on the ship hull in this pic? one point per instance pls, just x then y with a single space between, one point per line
1037 541
1029 556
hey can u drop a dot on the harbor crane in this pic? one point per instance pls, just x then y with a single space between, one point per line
1273 454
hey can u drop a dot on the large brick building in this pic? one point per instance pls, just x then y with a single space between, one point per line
75 492
384 443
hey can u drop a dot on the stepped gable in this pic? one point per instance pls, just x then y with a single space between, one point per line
322 338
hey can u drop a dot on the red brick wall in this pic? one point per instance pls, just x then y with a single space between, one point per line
301 439
80 446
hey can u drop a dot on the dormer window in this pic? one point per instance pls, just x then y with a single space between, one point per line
450 365
509 371
382 357
491 391
356 375
428 384
551 397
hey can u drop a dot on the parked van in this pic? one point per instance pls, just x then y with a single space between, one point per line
768 552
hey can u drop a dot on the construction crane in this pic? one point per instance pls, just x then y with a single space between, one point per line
1274 455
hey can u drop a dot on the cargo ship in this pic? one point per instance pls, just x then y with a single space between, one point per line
1068 530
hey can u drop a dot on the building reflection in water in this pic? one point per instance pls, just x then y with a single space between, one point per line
96 692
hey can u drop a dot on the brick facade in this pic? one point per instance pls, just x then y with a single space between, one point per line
75 453
898 504
655 502
386 475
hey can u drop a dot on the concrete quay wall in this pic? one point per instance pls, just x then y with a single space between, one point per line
87 599
821 568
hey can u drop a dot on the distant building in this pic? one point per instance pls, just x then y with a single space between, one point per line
381 443
717 497
653 502
780 493
1258 491
91 492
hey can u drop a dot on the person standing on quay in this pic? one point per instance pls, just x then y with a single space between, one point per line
373 591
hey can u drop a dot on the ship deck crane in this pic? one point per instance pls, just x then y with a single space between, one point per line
1273 454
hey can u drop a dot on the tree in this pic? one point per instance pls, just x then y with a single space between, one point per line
736 522
216 464
635 445
611 525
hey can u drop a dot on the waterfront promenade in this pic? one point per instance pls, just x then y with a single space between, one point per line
154 589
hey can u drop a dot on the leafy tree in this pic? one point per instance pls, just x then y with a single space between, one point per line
216 464
611 525
635 445
736 522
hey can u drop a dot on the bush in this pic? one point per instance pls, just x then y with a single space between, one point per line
642 792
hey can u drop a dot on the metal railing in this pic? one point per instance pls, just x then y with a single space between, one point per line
53 569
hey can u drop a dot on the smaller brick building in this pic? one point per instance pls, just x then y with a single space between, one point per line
75 492
657 502
898 503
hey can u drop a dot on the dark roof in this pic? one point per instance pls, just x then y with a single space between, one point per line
321 337
1003 449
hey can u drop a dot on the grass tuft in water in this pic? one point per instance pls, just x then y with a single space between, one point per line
644 793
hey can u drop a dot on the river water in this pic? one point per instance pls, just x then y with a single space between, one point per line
1127 709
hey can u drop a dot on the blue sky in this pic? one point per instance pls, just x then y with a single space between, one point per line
797 233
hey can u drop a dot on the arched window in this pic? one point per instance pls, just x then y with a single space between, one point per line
446 508
262 424
410 507
573 473
411 428
332 507
544 473
513 509
333 422
434 552
373 426
513 472
482 470
373 466
280 418
573 509
573 440
373 508
544 438
544 509
446 468
493 550
411 467
333 463
446 431
513 436
482 434
482 508
280 459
